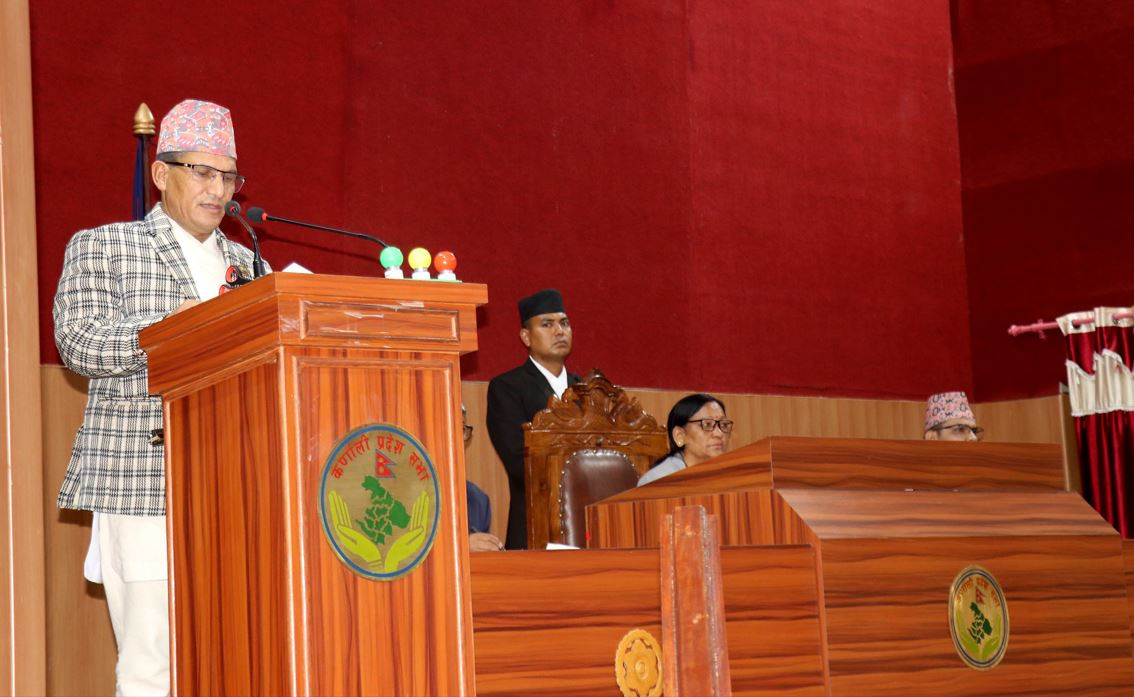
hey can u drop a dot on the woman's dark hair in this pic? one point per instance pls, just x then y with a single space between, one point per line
680 414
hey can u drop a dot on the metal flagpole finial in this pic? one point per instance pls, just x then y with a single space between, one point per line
144 121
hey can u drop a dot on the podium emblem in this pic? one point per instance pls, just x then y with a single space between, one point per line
379 501
978 618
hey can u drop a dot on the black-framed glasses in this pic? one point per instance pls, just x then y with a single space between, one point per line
960 430
707 425
205 174
468 433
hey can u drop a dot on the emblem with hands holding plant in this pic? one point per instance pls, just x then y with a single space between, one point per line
358 543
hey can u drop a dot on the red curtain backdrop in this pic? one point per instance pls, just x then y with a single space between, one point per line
739 195
1100 356
1045 99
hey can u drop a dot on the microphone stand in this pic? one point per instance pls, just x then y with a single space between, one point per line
260 215
232 209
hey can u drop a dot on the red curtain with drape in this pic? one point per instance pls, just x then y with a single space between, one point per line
1100 358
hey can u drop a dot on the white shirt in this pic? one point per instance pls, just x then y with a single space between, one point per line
558 382
205 259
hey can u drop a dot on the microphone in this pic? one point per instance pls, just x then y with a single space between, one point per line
261 216
232 210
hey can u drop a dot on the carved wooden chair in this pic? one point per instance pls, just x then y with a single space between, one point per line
593 443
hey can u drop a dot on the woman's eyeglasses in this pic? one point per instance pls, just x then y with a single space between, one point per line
707 425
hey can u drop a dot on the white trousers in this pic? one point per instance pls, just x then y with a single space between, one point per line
132 561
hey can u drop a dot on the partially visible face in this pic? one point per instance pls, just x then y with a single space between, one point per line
548 337
701 445
197 205
955 429
465 428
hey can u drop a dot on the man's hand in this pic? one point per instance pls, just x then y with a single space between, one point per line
185 306
484 542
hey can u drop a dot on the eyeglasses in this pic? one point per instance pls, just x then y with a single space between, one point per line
960 430
468 433
204 174
707 425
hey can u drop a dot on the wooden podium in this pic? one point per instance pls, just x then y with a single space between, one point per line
258 385
892 524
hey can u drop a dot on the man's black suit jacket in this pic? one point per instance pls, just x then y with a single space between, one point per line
513 399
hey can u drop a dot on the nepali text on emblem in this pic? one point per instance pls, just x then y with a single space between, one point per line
978 618
380 501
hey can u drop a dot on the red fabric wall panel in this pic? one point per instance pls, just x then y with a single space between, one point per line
742 196
825 199
1045 98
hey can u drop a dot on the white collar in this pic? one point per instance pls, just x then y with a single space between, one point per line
181 232
558 382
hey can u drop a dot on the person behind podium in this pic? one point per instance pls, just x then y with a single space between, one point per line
514 397
117 280
698 430
949 417
478 504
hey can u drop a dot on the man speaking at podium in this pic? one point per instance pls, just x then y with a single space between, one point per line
515 397
117 280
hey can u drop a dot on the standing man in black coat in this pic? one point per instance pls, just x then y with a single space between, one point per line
515 397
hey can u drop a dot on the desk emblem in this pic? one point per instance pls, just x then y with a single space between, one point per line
380 501
978 618
638 665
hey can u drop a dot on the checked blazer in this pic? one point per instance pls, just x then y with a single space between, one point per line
117 280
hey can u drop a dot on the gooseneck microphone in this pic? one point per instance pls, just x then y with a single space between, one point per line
259 215
232 210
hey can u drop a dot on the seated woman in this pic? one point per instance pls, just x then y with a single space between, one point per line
698 430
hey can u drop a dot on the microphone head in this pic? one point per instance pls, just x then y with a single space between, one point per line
257 214
232 208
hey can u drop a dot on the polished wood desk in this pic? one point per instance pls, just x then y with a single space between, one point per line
892 523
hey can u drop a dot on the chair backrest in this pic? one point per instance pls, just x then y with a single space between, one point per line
590 475
593 414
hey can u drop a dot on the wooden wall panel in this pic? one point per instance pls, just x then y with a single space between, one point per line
1022 420
538 631
78 663
760 416
482 466
1071 463
22 580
